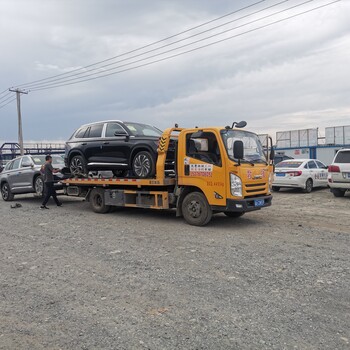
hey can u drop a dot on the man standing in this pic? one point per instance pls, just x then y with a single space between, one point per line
48 171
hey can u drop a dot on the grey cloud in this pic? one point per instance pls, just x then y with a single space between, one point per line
291 75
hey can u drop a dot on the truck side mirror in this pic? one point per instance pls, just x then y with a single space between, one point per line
272 154
238 149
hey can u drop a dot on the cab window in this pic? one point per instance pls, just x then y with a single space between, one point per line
113 128
203 146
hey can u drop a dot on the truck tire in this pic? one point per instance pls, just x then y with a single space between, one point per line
275 188
6 193
143 165
39 186
234 214
338 192
77 166
308 186
196 209
97 201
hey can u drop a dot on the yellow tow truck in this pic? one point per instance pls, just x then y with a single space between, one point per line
216 169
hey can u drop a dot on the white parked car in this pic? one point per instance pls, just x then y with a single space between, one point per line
300 173
339 173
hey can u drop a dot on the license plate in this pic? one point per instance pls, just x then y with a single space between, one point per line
280 174
259 202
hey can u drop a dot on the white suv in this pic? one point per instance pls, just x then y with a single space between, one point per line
339 173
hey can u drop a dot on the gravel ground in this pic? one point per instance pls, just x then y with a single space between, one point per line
139 279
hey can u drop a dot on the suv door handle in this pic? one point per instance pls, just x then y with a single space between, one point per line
84 144
106 143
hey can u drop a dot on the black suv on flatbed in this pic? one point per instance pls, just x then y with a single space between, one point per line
117 146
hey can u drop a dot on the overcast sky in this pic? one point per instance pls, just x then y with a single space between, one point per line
291 75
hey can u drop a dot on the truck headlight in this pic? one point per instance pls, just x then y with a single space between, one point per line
236 185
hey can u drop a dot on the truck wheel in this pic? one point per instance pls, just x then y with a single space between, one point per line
143 165
275 188
39 186
97 201
338 192
308 186
6 193
196 209
77 166
234 214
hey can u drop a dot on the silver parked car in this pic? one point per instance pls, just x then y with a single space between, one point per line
22 175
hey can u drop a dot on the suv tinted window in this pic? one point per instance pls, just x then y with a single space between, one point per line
81 132
342 157
112 128
137 129
95 130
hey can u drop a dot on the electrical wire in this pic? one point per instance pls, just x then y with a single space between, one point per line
2 106
3 97
65 79
146 46
50 86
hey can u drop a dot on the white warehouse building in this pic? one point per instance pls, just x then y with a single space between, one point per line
307 144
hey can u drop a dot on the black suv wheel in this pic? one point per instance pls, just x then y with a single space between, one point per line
77 166
143 165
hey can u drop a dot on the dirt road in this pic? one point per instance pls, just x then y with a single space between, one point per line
278 278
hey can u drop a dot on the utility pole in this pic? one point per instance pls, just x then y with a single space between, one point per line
20 134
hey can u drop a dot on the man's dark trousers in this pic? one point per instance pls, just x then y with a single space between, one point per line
50 191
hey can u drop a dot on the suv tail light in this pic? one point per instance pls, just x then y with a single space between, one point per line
294 173
333 169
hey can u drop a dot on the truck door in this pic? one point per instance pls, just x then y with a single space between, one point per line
203 165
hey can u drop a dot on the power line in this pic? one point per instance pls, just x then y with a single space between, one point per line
65 79
145 46
51 86
2 92
3 97
2 106
171 50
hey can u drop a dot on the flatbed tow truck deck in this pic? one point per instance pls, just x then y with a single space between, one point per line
208 179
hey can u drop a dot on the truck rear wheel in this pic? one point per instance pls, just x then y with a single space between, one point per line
97 201
196 209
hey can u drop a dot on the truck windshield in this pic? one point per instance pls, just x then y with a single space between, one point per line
253 150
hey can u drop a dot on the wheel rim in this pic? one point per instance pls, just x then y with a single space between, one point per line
98 201
142 165
5 192
39 186
309 186
194 209
76 166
